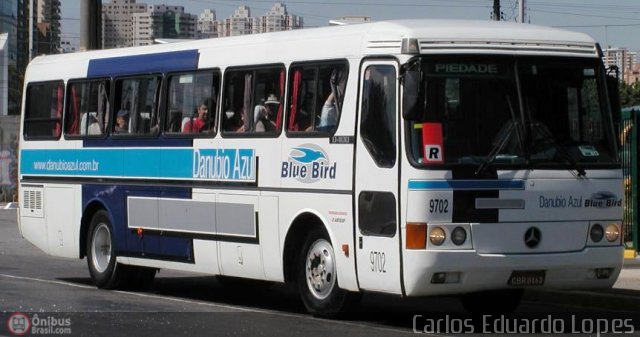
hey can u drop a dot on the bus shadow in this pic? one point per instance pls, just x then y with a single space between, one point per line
372 308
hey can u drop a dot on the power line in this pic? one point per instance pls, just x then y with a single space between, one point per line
585 15
600 25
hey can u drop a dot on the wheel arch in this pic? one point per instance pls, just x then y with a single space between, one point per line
302 224
91 209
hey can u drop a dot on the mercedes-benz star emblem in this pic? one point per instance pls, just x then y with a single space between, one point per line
532 237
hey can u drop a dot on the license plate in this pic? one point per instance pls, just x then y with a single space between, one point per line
526 278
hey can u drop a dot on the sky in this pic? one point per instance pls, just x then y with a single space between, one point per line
611 22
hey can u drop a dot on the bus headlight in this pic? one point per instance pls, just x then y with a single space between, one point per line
437 236
459 236
596 233
612 232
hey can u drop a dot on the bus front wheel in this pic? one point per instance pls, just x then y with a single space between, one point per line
317 278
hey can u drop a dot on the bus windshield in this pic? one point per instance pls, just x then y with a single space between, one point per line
510 112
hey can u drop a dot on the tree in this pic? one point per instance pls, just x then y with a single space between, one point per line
629 94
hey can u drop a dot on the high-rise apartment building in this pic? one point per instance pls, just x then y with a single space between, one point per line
276 19
16 22
126 23
47 21
162 21
207 27
117 22
239 23
622 58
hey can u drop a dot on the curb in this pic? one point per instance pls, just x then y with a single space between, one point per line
629 254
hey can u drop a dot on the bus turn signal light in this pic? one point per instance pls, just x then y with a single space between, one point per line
416 235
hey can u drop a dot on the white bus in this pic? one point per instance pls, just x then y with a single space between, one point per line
420 157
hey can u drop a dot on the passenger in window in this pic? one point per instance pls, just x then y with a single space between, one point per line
329 114
266 114
234 122
122 122
197 124
94 126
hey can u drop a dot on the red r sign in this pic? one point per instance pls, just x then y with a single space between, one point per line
432 143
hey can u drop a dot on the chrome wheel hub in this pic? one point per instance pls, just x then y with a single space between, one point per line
320 269
101 247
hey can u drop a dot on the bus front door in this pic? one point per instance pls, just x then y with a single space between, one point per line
376 180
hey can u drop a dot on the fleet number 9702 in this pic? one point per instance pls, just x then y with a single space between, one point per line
439 206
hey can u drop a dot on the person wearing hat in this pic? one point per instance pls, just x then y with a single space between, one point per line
122 122
264 114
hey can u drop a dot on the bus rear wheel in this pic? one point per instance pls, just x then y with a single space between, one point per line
317 278
105 272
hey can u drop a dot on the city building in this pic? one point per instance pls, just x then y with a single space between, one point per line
67 46
276 19
47 20
117 22
242 23
162 21
4 74
633 75
8 57
238 24
621 58
207 27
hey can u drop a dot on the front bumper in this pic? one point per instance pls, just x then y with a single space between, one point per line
476 272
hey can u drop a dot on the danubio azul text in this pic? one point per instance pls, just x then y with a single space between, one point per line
224 164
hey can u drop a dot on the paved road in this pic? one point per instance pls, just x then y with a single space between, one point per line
56 289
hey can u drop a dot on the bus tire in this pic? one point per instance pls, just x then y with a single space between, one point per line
492 302
105 272
317 278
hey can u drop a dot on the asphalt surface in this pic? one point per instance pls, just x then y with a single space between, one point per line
57 294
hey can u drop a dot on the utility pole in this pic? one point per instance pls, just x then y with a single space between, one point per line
90 24
31 24
521 3
496 10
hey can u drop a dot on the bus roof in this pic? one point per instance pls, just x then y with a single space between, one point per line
376 38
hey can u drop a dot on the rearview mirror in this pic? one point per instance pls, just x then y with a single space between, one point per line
413 92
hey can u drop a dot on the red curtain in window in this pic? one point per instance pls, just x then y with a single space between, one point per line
281 107
73 126
297 78
60 97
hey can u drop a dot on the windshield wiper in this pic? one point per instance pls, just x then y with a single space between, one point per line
561 150
502 141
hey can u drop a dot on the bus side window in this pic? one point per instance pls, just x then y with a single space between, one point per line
378 119
43 111
253 101
316 92
87 107
136 102
192 103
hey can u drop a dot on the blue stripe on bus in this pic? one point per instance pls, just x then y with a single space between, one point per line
466 184
169 163
146 63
